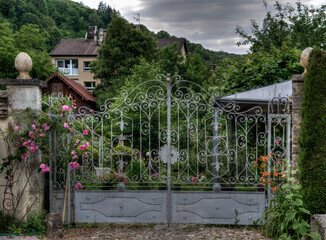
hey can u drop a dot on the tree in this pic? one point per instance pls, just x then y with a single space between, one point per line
312 156
257 69
303 26
121 50
29 40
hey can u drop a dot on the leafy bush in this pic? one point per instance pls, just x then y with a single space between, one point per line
6 221
286 218
312 159
35 222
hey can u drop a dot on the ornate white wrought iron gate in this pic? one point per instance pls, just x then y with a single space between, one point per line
169 151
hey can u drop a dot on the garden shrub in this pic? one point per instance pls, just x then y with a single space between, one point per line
312 159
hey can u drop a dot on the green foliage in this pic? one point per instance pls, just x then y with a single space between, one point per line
121 50
257 69
6 221
59 18
35 222
312 160
286 217
30 40
302 25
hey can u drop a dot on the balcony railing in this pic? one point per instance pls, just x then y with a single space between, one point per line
69 71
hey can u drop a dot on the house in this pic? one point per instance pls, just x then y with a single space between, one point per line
59 84
181 44
73 56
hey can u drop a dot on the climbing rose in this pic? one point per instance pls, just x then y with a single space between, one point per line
42 166
32 149
65 108
85 132
16 128
65 125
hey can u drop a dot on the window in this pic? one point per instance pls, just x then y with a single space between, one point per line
89 85
57 89
68 67
87 68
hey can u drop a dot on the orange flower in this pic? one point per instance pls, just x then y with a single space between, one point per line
269 181
275 174
274 189
282 173
264 158
271 154
265 174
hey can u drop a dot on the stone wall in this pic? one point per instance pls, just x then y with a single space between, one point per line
297 95
26 190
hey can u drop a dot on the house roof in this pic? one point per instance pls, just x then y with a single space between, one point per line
79 89
263 94
75 47
164 42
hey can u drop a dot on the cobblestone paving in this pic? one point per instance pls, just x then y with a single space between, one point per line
158 232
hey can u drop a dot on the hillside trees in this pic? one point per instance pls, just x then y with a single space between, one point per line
28 39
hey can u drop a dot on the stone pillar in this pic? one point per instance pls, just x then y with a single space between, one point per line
297 95
25 93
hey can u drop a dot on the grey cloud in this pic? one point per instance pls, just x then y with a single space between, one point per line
209 22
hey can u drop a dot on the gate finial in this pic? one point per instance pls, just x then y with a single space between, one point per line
23 64
168 77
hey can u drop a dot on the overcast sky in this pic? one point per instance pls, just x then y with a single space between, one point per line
208 22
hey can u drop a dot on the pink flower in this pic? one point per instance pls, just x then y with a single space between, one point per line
25 155
77 141
91 111
87 144
25 144
71 129
46 128
42 135
33 126
16 128
155 175
277 141
32 144
36 147
85 154
65 125
47 169
29 141
70 164
75 165
31 134
42 166
85 132
44 170
78 186
75 157
65 108
32 149
44 125
82 147
73 152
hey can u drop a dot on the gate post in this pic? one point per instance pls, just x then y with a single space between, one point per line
168 104
25 93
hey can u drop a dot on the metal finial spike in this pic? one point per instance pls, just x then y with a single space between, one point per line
168 77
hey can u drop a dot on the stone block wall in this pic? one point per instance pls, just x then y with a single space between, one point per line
297 95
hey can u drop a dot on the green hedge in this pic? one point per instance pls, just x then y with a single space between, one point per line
312 160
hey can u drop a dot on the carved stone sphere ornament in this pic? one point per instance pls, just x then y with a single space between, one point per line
23 64
304 59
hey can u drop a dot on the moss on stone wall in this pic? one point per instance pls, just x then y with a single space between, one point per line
312 158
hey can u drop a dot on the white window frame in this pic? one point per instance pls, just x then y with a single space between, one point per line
87 69
69 71
90 88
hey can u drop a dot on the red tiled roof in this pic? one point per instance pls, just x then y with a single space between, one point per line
83 92
164 42
75 47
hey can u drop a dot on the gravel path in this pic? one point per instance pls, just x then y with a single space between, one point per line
157 232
